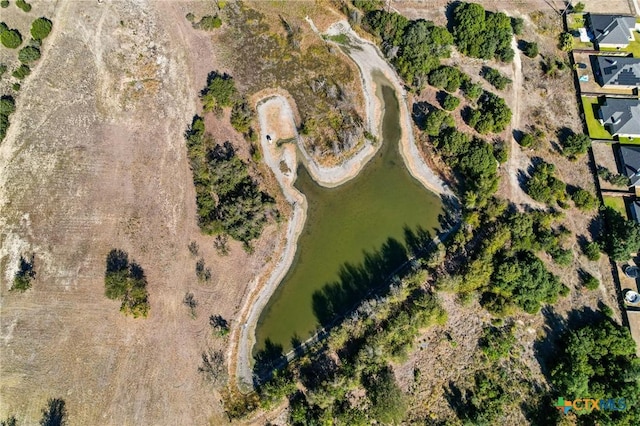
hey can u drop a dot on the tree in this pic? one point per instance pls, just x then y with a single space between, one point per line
530 49
592 251
471 90
55 414
575 145
482 34
436 121
450 102
518 25
22 4
29 54
494 77
208 23
598 359
621 237
589 281
11 38
126 282
21 72
40 28
220 92
496 343
565 42
492 114
543 186
584 200
388 404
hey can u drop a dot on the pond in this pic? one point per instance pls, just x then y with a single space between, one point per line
355 235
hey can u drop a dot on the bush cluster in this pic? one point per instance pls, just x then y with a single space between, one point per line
613 178
7 107
494 78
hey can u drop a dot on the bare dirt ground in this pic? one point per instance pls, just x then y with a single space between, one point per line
95 159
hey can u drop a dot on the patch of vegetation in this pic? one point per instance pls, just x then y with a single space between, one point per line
220 93
620 236
22 4
501 151
208 23
229 200
24 275
190 302
492 115
613 178
592 251
221 244
530 49
55 414
3 70
575 144
544 187
517 24
126 281
578 7
213 367
495 78
4 4
7 107
29 54
202 272
219 325
482 34
446 77
472 91
21 72
10 38
599 360
450 102
497 343
41 28
565 42
413 47
589 281
584 200
437 120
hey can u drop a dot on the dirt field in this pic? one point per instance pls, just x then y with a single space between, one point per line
94 160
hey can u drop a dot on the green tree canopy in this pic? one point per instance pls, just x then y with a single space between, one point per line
29 54
40 28
11 38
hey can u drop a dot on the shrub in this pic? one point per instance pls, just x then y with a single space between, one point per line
126 281
21 72
589 281
29 54
4 4
562 257
22 4
24 275
578 7
526 140
496 343
501 151
606 309
3 69
7 107
565 42
208 23
517 24
494 77
16 87
450 102
40 28
531 49
472 91
592 251
11 38
584 200
543 186
448 78
220 92
575 145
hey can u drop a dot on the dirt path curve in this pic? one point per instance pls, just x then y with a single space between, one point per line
277 120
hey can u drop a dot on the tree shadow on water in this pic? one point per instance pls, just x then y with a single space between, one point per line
355 281
267 359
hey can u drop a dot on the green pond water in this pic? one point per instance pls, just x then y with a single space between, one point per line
354 236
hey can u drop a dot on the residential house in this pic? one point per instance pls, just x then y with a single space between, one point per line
615 31
616 72
630 161
621 117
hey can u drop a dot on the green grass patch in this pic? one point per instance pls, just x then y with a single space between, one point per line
339 38
633 48
629 141
616 203
596 130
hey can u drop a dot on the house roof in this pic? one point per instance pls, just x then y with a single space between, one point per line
631 163
619 71
611 29
622 116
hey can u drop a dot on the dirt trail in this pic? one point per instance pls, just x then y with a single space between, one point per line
277 120
518 162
